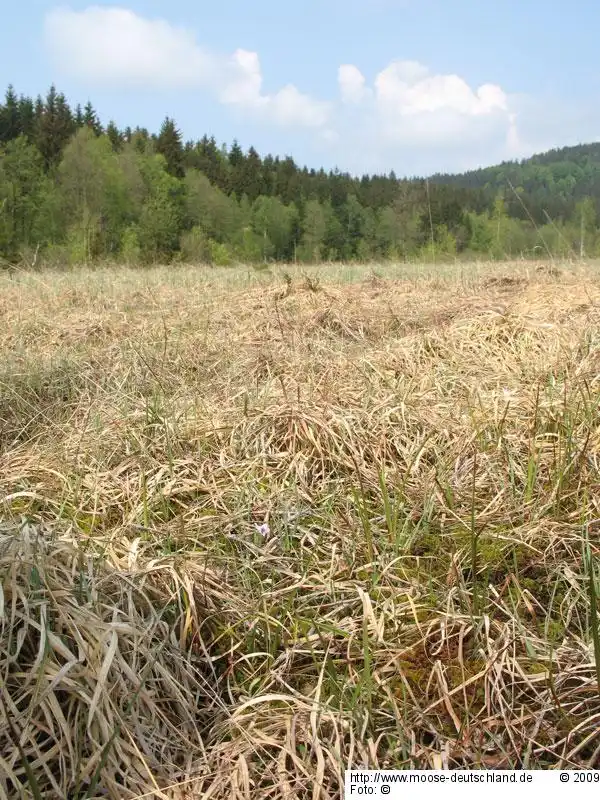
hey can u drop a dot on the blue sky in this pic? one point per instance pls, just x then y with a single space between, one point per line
367 85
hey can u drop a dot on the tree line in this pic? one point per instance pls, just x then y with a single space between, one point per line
73 191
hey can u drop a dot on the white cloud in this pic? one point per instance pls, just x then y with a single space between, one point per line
405 118
291 107
242 86
117 46
407 89
352 84
412 114
288 106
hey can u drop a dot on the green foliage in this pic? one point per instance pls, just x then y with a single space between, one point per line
551 184
314 230
90 120
80 193
169 145
387 233
482 234
54 127
22 186
272 221
10 117
115 136
249 246
445 241
81 242
162 211
209 208
586 213
158 228
219 254
93 192
130 246
194 246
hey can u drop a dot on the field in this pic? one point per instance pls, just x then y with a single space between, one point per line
261 526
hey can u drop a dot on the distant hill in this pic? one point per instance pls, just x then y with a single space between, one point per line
552 182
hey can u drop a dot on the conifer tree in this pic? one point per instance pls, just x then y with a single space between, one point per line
140 138
90 119
78 116
169 145
27 117
115 136
236 154
249 176
10 117
55 127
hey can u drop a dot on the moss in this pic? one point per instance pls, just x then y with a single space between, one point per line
457 674
416 668
18 505
87 523
432 551
496 556
530 584
537 668
427 544
553 629
548 592
417 676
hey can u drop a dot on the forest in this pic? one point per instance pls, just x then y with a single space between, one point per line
75 191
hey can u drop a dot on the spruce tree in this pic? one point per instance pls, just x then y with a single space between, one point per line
250 180
55 127
236 155
78 116
212 163
169 144
27 117
90 119
115 136
140 138
10 118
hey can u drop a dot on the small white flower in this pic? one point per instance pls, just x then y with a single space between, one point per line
264 529
508 395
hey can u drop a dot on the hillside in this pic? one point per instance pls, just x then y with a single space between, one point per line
553 181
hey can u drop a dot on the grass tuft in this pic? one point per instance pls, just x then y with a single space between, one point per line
258 527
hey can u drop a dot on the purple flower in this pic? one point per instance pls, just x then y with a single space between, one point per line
264 529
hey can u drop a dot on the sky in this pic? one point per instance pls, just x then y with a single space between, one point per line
367 86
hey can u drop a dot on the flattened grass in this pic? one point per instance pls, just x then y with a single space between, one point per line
423 447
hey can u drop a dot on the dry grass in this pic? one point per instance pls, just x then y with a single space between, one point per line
423 445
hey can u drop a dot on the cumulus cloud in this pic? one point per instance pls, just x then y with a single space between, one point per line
110 45
410 103
407 88
352 84
406 111
115 45
244 83
288 106
434 119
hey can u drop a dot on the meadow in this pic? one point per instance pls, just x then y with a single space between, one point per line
260 526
